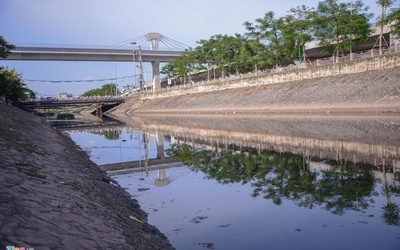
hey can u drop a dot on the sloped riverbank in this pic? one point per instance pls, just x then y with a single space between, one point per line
52 196
375 91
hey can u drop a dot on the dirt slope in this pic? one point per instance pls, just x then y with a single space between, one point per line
53 197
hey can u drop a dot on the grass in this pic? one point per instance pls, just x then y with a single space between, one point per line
34 173
29 148
30 170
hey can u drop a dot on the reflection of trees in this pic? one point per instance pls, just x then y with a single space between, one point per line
391 211
285 179
110 134
279 176
346 187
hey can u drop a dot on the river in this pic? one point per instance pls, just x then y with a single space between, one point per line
259 182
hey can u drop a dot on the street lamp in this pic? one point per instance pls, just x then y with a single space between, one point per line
141 69
134 63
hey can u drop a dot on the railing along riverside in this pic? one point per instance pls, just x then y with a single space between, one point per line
316 68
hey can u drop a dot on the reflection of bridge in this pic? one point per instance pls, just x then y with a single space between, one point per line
160 165
155 55
144 164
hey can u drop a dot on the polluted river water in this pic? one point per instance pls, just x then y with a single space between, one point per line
259 182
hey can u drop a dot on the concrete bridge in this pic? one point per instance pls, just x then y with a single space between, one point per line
132 53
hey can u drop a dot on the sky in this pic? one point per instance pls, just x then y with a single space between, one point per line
106 22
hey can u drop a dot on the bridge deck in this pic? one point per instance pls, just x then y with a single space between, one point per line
54 53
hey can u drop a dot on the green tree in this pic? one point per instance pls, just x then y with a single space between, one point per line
105 90
182 66
229 54
297 28
339 26
393 19
5 47
223 51
382 19
12 87
267 31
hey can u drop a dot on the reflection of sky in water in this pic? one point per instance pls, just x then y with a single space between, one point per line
194 209
229 217
103 151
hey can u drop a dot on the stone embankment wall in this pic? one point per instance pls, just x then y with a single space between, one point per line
362 85
286 75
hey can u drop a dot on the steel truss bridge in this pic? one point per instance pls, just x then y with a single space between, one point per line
102 104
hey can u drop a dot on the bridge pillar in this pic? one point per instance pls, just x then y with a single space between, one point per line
160 146
156 75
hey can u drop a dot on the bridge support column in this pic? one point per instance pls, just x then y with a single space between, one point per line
160 146
99 110
156 75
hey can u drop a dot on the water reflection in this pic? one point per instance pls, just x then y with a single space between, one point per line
337 185
267 178
312 161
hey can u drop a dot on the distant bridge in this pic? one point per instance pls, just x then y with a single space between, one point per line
102 104
133 53
26 52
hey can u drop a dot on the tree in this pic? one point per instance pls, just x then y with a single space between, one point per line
182 66
384 5
106 89
224 51
266 30
297 28
5 47
12 87
358 28
393 19
339 26
230 54
252 55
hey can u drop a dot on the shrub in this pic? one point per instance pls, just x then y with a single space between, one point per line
65 116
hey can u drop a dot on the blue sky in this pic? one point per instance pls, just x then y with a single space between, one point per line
106 22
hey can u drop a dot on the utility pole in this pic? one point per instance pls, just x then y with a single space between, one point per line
116 80
134 64
141 69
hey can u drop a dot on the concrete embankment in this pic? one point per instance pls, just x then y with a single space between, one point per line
53 197
375 87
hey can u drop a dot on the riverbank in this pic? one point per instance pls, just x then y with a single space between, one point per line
376 91
54 197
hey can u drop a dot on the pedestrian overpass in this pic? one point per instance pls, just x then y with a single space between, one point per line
133 52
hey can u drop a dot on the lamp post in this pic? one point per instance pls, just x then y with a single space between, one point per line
141 69
116 80
134 63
